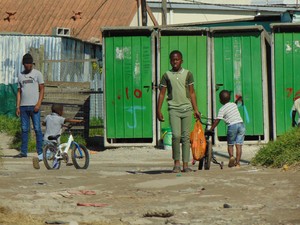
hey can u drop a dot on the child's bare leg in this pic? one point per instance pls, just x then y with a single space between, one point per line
230 150
231 158
238 153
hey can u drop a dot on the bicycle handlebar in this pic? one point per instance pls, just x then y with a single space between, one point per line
207 119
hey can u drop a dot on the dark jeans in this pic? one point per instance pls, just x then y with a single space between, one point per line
27 112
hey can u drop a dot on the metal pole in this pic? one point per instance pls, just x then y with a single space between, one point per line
144 13
164 12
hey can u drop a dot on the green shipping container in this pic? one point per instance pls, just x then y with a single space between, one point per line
129 98
286 74
193 43
239 66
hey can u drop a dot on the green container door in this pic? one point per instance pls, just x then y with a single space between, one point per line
238 67
286 77
193 45
128 63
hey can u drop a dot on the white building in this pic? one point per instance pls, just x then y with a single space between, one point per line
195 11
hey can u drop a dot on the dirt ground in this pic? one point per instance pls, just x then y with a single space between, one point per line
136 186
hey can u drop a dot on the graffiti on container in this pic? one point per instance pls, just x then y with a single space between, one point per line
137 70
123 53
296 96
237 57
290 93
288 47
237 62
132 110
294 46
297 45
137 93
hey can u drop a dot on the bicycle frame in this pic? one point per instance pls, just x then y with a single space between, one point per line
64 147
210 157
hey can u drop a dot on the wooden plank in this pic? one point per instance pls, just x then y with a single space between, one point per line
75 98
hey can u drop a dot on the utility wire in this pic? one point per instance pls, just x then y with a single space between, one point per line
91 18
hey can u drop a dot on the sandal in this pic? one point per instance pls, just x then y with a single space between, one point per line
231 162
187 170
176 169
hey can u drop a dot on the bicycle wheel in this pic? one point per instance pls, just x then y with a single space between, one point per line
201 163
208 155
80 156
50 161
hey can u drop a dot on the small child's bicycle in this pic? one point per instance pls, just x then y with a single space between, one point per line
208 157
54 153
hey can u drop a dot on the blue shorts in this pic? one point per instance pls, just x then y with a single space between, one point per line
236 134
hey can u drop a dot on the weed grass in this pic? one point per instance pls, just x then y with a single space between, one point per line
97 127
284 151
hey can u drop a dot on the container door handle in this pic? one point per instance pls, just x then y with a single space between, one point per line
218 86
147 87
152 86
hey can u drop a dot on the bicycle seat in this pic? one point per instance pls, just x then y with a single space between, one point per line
53 137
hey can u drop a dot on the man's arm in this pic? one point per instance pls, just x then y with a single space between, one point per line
41 97
161 97
194 101
18 102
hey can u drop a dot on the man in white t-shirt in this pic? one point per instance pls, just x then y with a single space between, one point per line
29 100
296 109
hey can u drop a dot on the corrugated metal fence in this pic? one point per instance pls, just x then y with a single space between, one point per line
59 59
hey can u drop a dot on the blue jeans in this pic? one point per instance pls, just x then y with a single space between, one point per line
27 112
236 134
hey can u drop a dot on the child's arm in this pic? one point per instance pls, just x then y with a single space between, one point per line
216 122
73 120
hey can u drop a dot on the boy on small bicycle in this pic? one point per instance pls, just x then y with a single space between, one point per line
235 127
54 123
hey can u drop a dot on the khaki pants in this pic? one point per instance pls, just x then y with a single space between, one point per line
181 125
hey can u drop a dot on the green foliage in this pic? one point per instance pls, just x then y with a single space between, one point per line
97 123
77 138
9 125
12 126
285 150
